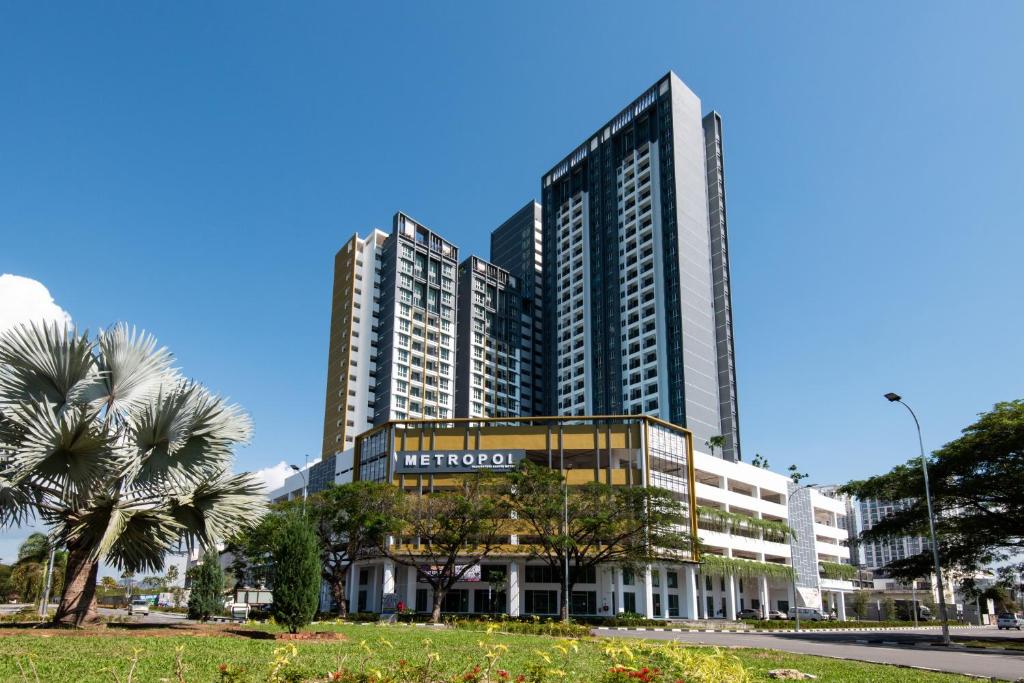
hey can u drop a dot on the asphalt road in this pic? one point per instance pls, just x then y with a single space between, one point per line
883 647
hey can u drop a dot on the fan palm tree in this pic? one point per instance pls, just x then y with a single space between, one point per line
118 454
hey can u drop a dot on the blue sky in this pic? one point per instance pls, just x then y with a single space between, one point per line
193 167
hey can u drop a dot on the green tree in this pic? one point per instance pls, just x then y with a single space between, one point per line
27 581
888 609
444 534
977 487
35 548
108 583
796 475
715 442
119 454
630 526
350 521
172 575
251 548
859 604
296 573
206 597
5 582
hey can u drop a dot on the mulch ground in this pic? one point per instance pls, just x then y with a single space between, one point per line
160 630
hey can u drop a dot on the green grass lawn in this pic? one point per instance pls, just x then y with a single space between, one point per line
106 656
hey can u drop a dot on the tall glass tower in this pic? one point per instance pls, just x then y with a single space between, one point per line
637 308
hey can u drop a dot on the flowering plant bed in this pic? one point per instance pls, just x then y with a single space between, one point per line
395 654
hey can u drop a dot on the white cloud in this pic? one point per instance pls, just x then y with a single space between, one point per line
25 300
274 475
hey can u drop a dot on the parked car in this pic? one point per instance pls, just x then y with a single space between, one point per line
748 614
808 614
776 614
138 606
1009 620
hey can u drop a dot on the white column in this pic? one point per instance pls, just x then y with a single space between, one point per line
702 586
664 591
764 597
619 607
730 597
841 606
410 588
512 594
388 584
648 593
690 579
353 588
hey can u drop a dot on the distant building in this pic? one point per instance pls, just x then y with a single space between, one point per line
489 341
877 554
351 356
516 246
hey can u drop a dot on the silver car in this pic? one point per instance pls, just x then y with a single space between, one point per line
1009 620
138 606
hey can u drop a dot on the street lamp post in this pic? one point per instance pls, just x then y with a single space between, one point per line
45 603
895 398
305 481
565 581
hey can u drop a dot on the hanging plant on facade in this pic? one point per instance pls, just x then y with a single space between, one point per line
713 519
716 565
837 571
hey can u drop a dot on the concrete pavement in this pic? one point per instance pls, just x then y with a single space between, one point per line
906 648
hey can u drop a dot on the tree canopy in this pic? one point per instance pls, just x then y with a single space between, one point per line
444 534
977 486
351 521
624 525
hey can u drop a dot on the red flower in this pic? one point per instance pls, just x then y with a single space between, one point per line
503 675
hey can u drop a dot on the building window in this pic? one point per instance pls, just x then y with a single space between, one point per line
541 602
629 602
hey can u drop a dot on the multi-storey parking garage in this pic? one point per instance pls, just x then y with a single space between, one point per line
743 519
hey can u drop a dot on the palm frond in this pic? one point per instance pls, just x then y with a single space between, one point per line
131 371
43 362
129 537
15 502
220 508
216 420
170 452
68 450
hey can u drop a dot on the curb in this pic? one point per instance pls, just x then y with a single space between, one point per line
778 630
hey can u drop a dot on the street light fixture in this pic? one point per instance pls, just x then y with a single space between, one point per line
896 398
305 482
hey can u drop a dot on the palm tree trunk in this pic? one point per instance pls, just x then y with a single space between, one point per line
78 601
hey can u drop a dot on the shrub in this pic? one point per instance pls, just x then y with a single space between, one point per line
362 616
296 559
207 587
552 627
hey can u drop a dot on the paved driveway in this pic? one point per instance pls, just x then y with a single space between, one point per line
883 647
